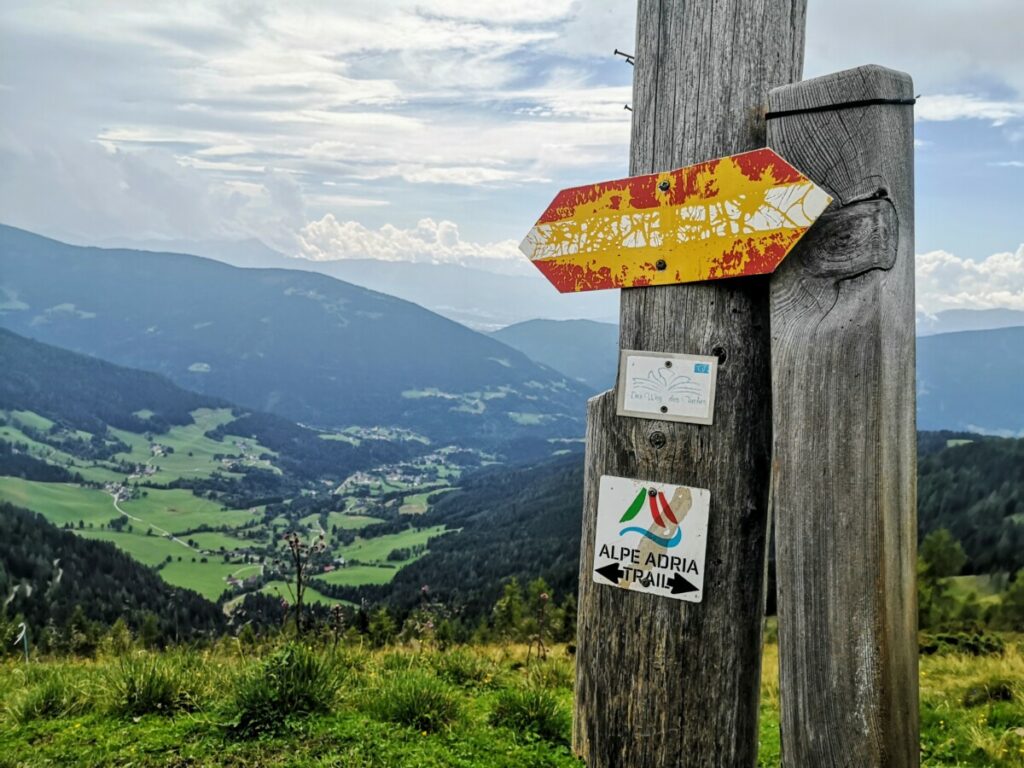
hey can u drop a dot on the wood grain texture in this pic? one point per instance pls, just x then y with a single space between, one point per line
662 682
844 473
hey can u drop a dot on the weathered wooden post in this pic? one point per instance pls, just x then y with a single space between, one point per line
844 474
662 682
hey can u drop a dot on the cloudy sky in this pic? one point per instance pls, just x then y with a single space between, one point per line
438 130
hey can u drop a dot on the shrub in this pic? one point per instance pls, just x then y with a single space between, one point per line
417 700
294 682
146 684
553 673
464 668
989 690
532 709
54 694
977 644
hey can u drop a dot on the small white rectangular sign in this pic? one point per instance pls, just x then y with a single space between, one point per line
667 386
651 537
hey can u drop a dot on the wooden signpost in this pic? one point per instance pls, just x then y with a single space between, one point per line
679 456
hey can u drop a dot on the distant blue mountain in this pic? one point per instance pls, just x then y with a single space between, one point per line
585 350
298 344
969 380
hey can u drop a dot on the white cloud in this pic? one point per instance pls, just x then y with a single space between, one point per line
437 242
945 281
288 121
945 107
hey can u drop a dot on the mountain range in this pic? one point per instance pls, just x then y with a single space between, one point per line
478 298
301 345
966 380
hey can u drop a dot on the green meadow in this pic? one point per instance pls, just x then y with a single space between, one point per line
417 504
327 703
281 589
60 503
358 575
377 549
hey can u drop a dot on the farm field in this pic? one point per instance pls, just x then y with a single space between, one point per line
377 549
348 522
60 503
358 575
178 510
311 595
149 550
417 503
192 454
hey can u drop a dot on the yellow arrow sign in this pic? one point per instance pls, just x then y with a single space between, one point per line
736 216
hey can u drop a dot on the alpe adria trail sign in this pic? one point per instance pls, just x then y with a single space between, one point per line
812 369
731 217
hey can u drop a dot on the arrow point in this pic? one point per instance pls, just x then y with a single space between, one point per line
680 586
612 572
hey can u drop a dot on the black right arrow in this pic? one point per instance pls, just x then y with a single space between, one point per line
680 585
612 572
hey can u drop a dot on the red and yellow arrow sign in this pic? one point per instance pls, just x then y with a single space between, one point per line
736 216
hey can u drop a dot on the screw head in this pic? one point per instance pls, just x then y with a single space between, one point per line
652 492
661 265
657 440
664 186
668 363
664 409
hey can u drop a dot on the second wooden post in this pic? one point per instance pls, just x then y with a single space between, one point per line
845 463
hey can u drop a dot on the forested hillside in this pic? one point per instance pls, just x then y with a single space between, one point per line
975 490
55 579
520 523
90 394
79 394
524 522
297 344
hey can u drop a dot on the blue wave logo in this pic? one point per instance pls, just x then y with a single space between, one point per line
659 540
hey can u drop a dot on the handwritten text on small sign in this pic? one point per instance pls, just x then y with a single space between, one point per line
735 216
651 537
671 387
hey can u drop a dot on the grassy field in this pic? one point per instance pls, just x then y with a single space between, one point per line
417 504
178 510
59 503
350 522
150 550
208 579
357 575
376 550
311 595
403 708
192 454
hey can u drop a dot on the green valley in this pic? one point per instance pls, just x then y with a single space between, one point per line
204 493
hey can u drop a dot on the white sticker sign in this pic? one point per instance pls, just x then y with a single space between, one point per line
651 537
667 386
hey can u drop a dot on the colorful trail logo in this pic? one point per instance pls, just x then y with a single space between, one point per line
660 512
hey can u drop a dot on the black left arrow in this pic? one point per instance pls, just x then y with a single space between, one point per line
612 572
680 585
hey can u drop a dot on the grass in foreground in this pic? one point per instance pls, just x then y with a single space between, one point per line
347 706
